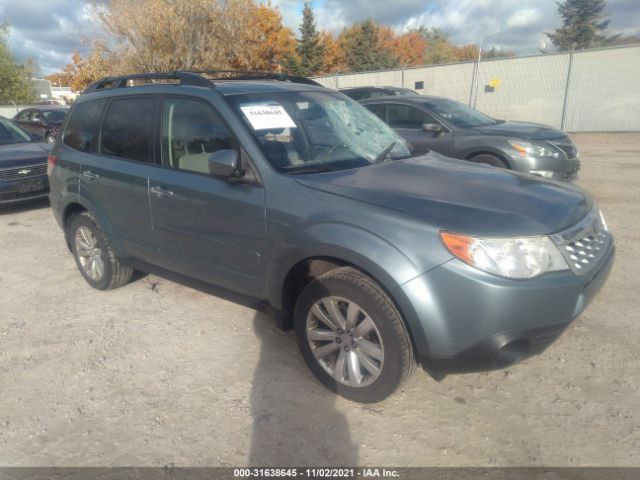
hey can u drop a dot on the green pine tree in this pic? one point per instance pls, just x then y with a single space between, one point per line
363 49
15 84
583 25
309 49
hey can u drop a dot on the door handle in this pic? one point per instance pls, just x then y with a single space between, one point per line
90 175
161 191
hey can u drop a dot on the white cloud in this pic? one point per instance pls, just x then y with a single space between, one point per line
523 18
50 30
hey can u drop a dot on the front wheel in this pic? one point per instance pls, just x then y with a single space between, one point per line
94 257
488 159
352 337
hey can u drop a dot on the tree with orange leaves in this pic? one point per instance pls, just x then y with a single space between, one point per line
84 71
409 48
272 41
333 54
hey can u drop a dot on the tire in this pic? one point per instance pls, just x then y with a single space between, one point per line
488 159
89 244
380 357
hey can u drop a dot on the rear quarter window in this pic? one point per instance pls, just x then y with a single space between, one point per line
82 124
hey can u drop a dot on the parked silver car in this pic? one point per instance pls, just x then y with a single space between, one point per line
456 130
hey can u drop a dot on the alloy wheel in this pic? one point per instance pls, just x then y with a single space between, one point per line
345 341
89 253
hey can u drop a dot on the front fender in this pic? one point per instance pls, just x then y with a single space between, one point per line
469 147
359 247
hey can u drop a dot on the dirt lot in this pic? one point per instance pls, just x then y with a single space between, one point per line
157 373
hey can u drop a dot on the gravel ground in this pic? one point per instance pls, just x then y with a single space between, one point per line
158 373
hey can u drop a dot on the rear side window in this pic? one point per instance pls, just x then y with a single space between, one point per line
82 125
23 116
127 130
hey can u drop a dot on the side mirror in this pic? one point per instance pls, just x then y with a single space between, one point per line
223 163
431 127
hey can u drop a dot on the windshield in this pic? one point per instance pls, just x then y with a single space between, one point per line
305 132
54 115
459 114
10 133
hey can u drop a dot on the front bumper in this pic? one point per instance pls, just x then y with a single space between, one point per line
562 169
472 320
24 189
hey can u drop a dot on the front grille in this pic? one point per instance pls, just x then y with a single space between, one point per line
569 149
23 172
584 244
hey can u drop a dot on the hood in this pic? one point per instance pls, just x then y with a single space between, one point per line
460 196
529 131
19 154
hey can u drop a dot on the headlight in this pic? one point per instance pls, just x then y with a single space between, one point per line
602 221
526 149
525 257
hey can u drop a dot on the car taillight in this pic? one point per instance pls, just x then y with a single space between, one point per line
51 162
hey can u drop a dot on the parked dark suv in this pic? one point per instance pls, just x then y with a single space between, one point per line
456 130
296 195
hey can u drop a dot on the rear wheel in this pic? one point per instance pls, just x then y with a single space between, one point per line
352 337
488 159
94 257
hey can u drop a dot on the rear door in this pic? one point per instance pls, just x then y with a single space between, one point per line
408 120
115 177
206 227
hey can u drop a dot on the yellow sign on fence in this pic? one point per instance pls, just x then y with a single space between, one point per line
495 82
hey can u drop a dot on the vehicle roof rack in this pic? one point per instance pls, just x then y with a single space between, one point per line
197 78
255 75
185 78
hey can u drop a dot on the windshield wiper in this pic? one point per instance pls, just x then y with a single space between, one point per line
384 153
301 171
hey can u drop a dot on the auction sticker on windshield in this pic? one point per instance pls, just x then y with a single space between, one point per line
264 117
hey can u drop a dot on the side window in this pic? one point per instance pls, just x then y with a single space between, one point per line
127 130
404 116
82 125
378 110
23 116
191 132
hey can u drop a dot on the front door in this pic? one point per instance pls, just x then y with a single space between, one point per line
408 121
206 227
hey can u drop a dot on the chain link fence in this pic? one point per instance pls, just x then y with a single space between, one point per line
586 91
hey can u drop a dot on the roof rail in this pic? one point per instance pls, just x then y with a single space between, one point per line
196 78
255 75
185 78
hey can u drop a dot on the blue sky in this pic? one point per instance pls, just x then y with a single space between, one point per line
50 30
